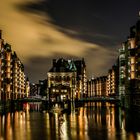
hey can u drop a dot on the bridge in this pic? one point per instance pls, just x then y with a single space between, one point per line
100 99
31 99
87 99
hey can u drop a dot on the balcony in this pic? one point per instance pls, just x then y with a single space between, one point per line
121 51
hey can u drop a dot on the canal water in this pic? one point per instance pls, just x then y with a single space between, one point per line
93 121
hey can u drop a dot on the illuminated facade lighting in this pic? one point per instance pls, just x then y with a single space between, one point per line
12 76
67 78
113 80
97 86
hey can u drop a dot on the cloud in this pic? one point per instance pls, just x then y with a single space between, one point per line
25 32
37 40
78 19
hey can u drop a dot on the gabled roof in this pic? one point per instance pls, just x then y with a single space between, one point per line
62 65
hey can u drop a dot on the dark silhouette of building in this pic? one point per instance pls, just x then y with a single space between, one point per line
42 87
66 80
129 68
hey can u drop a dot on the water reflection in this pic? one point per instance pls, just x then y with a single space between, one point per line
91 122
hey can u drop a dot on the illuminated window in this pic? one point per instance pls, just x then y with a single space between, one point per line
132 60
132 75
133 68
132 43
53 90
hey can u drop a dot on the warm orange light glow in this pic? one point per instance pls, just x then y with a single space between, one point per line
132 75
132 68
132 43
132 60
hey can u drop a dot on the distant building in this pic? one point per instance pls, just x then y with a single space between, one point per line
97 86
81 78
27 88
104 85
123 68
42 87
33 89
66 79
112 82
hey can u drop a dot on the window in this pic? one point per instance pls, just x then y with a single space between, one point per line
132 67
132 60
132 75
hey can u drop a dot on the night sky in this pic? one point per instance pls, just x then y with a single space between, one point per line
40 30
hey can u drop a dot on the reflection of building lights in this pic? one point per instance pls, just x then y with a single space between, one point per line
27 107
